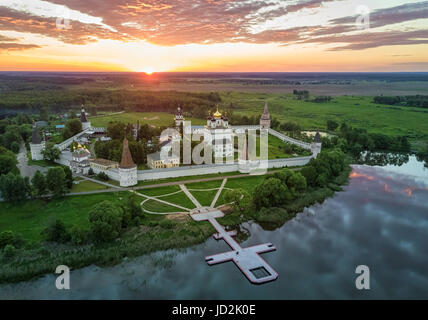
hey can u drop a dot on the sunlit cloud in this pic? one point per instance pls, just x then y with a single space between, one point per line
248 34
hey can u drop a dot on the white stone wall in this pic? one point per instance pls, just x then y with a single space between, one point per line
285 138
86 125
64 145
36 151
128 177
113 174
213 169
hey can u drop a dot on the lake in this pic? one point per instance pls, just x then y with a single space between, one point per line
379 220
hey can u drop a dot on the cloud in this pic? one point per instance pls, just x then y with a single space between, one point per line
179 22
79 33
389 16
307 4
374 39
8 46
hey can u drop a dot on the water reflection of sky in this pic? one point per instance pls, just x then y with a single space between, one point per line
375 221
413 167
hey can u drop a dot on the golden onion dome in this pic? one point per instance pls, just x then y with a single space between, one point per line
217 114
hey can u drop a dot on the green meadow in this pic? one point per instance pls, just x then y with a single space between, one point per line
157 119
358 111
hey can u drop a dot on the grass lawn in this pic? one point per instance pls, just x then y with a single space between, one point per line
180 198
158 119
204 197
154 206
40 163
205 184
159 191
87 186
29 218
246 183
184 179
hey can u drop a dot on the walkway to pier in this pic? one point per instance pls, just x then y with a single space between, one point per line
248 259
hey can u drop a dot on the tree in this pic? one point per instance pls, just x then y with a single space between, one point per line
56 231
66 133
116 130
72 114
8 237
138 152
79 235
68 177
14 146
332 125
8 162
296 183
9 251
310 173
51 153
74 126
39 183
239 197
44 114
55 181
14 188
132 212
102 176
106 221
270 193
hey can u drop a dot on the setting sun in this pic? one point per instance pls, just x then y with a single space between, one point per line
148 70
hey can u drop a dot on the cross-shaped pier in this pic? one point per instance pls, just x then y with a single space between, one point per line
248 260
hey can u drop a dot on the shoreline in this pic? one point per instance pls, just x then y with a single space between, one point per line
154 234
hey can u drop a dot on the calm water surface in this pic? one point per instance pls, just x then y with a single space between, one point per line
380 220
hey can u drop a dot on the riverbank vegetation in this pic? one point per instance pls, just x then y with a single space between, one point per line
104 228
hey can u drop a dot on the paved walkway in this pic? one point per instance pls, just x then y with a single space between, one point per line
25 169
161 201
218 193
190 196
166 184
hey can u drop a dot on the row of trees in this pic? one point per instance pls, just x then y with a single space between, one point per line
419 101
197 104
13 132
56 182
140 147
356 140
283 187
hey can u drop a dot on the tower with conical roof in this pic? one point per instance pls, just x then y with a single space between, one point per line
85 123
316 144
178 118
127 167
265 118
36 145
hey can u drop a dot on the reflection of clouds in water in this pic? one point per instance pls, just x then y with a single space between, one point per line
317 253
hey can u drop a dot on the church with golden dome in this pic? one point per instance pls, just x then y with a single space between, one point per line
221 135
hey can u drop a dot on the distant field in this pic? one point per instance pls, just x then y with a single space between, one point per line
357 111
157 119
361 88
